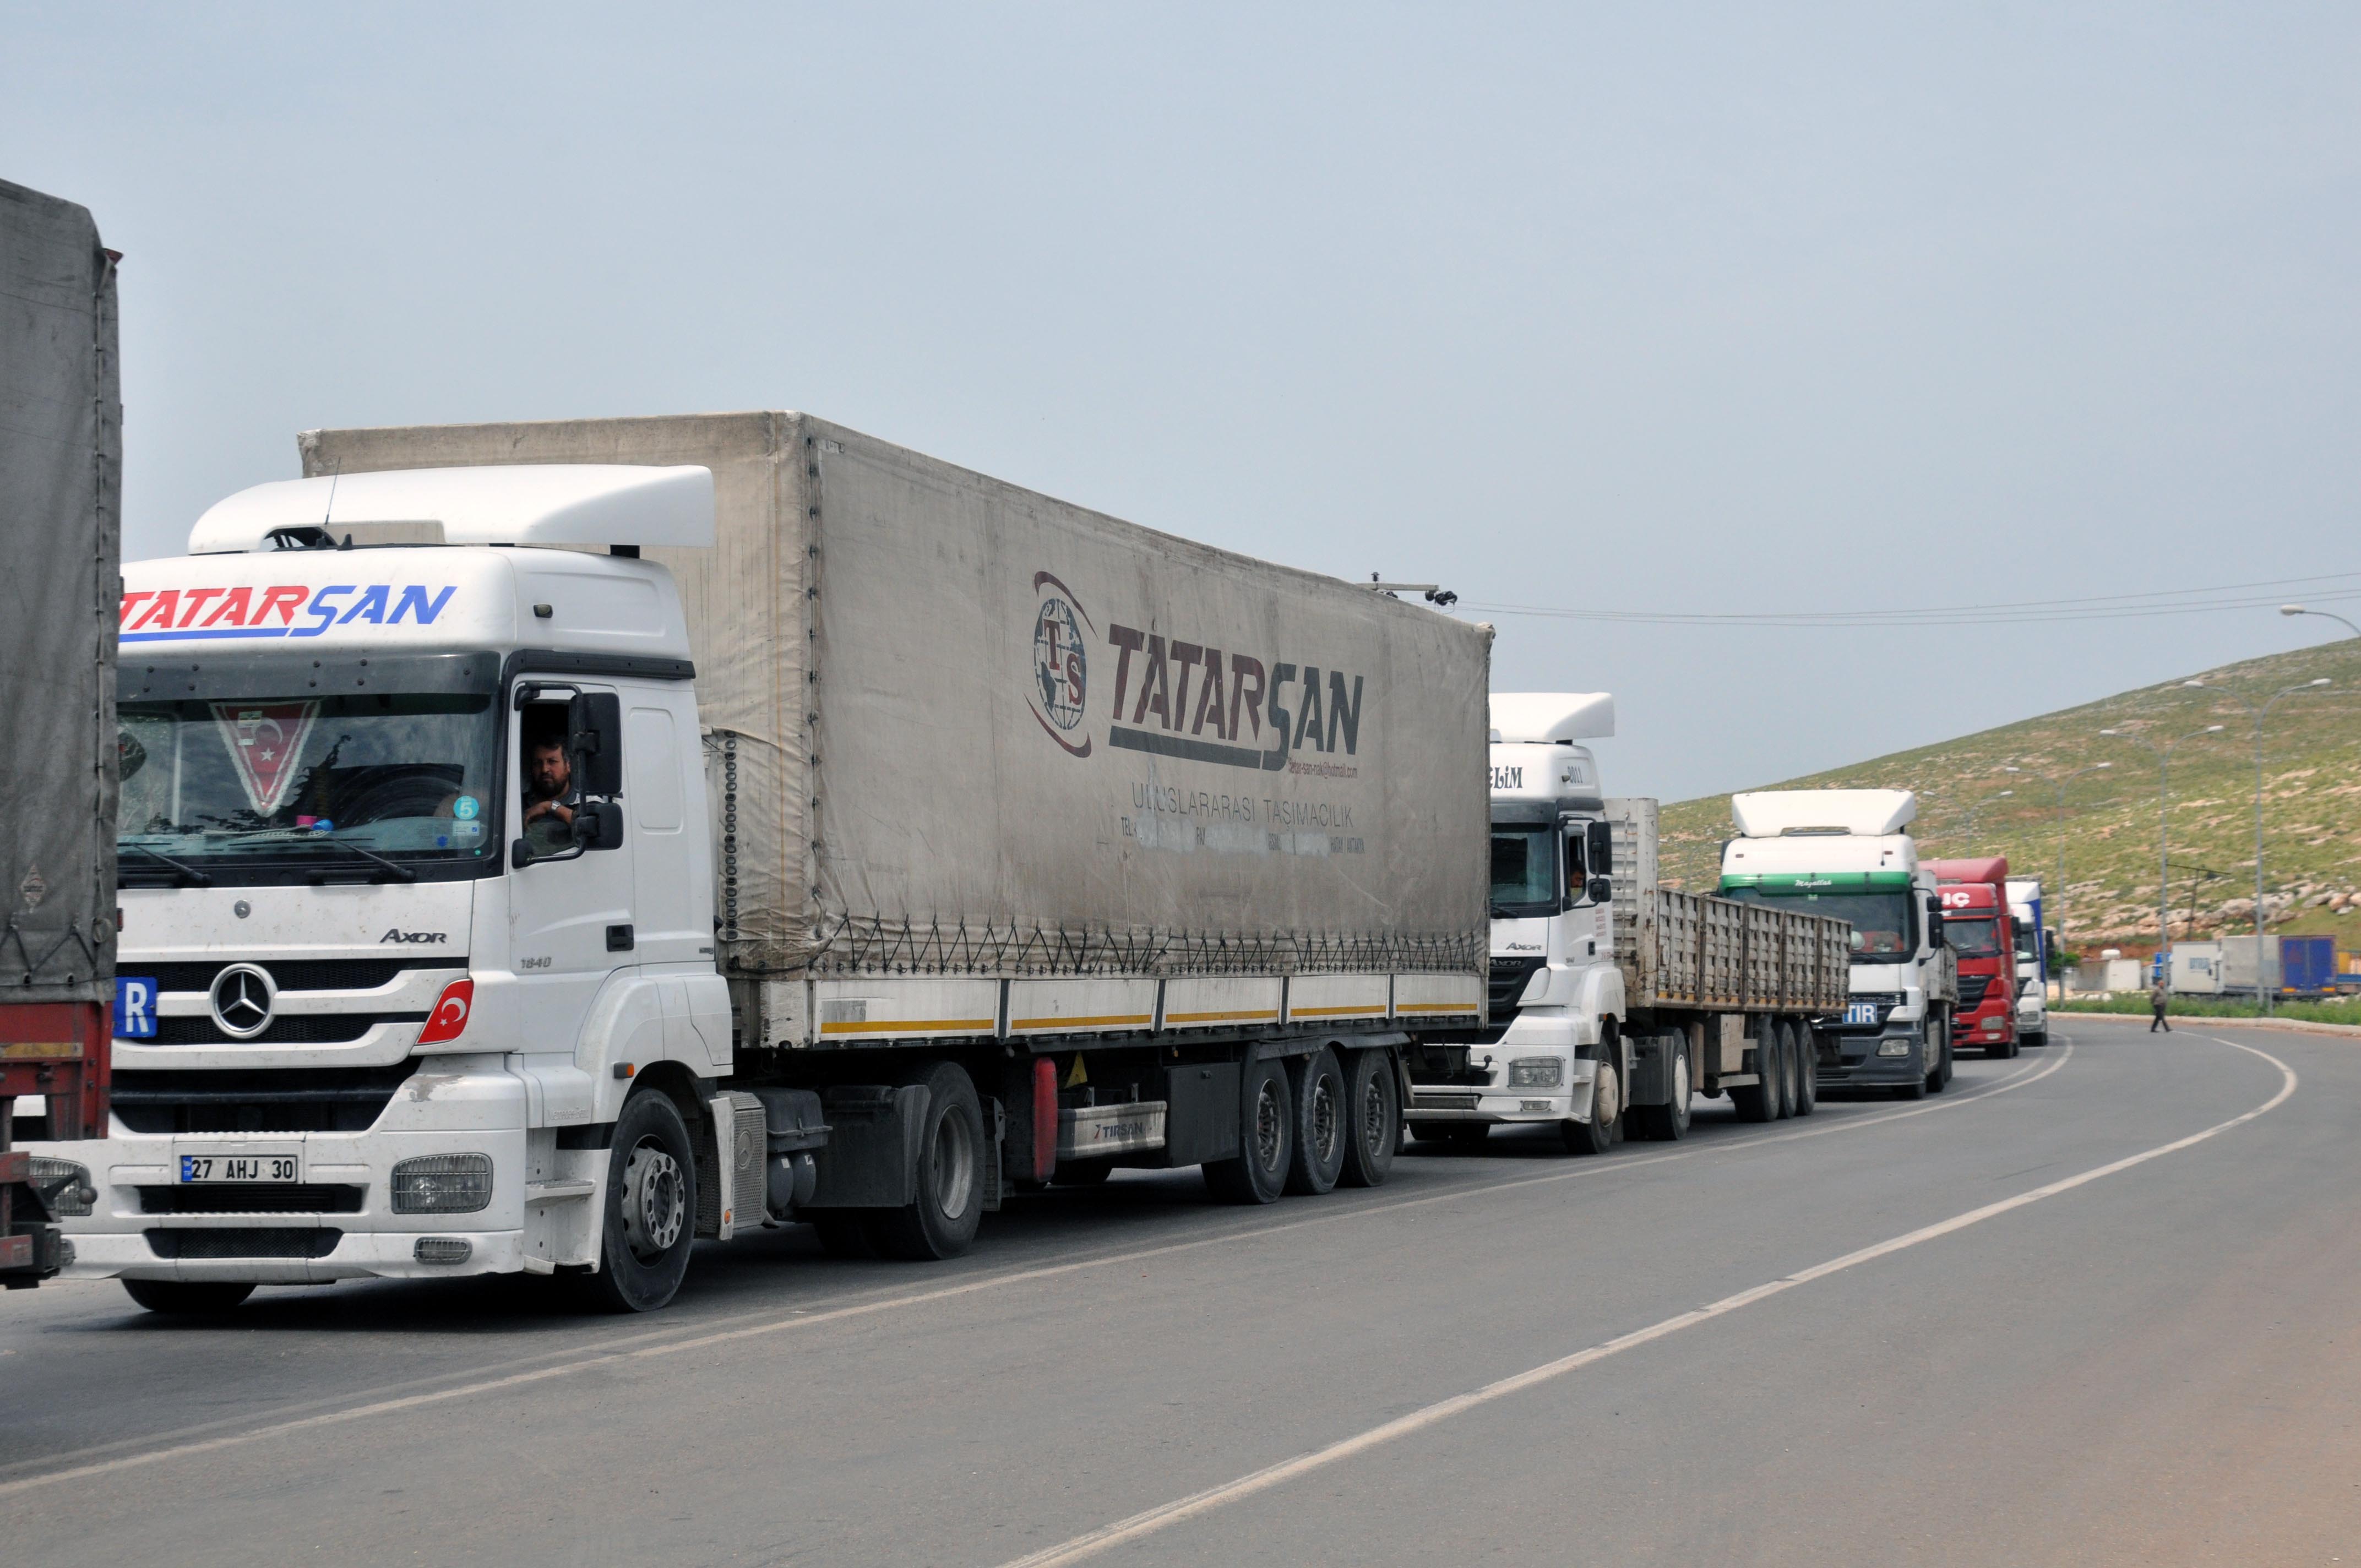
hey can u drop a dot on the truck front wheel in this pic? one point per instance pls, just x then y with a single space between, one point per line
1598 1135
1669 1121
1807 1067
651 1207
941 1221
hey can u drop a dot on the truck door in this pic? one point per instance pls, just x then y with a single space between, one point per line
570 908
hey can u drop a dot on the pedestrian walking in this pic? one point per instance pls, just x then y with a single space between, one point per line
2156 997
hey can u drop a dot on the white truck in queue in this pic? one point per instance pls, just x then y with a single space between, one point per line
883 840
2034 944
1613 1000
1847 853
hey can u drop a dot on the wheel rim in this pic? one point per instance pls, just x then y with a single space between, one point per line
656 1201
1324 1119
954 1158
1606 1096
1680 1081
1374 1121
1269 1129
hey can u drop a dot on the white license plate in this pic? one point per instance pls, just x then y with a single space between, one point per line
248 1168
1862 1013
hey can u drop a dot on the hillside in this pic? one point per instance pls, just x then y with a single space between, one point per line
1970 805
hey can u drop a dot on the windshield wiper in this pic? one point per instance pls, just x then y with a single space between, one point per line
185 875
399 871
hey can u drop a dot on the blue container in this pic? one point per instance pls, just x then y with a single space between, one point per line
2307 964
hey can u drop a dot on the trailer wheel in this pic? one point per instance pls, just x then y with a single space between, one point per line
1266 1142
650 1222
188 1297
941 1221
1323 1123
1668 1122
1759 1100
1807 1068
1783 1044
1373 1117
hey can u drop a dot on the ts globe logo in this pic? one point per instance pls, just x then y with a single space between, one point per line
1060 666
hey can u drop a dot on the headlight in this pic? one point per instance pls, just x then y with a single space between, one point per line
66 1183
1894 1048
1536 1073
442 1184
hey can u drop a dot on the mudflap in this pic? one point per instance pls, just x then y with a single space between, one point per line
870 1160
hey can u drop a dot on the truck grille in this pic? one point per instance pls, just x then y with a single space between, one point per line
291 974
264 1100
1510 977
246 1241
309 1198
290 1029
1971 991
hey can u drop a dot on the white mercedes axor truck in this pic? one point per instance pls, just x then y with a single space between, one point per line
2035 942
1614 1000
1847 853
556 843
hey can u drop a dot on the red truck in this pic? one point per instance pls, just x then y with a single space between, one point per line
1976 924
60 425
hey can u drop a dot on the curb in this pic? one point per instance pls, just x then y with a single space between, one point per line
2287 1026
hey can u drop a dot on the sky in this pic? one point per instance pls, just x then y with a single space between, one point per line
1696 308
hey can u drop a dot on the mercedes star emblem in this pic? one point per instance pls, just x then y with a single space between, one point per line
242 995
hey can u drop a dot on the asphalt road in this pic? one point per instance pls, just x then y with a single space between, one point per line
2100 1304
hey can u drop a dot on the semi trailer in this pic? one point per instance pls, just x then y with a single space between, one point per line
1847 853
1614 1001
60 475
556 843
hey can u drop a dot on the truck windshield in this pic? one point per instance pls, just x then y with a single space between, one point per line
1973 939
1888 936
298 783
1524 872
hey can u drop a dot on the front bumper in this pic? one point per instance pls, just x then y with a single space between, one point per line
1493 1100
1859 1066
132 1234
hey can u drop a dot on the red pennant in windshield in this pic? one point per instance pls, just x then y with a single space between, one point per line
265 741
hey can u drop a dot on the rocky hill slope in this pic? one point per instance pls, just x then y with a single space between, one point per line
2022 790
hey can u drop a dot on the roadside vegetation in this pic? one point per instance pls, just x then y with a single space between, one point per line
2347 1011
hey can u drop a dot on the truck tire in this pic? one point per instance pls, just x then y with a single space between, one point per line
1759 1100
1266 1139
1668 1122
1789 1090
1316 1084
1938 1041
941 1221
650 1224
1605 1127
2037 1038
1373 1117
1807 1068
188 1297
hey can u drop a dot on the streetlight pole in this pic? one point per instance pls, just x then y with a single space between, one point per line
2163 832
2324 615
2060 785
2262 966
1974 804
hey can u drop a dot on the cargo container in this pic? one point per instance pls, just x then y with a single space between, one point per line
61 470
2238 976
2307 965
558 842
2197 968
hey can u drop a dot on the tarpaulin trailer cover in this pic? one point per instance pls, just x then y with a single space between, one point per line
958 727
60 462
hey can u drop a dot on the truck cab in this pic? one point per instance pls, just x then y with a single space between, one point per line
1556 991
1847 853
413 846
1976 926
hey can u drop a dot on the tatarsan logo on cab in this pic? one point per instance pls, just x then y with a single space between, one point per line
411 936
1175 697
179 615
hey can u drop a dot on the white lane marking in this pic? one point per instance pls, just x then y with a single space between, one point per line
1167 1515
665 1341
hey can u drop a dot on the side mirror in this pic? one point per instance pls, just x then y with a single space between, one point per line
595 739
1599 848
599 825
1860 943
1602 890
1934 920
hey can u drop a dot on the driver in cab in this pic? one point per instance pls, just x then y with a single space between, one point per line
550 798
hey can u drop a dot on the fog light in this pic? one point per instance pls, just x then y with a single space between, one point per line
66 1183
1991 1025
442 1184
1894 1048
443 1249
1536 1073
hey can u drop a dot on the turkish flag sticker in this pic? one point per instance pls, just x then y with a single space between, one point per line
449 1019
266 739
